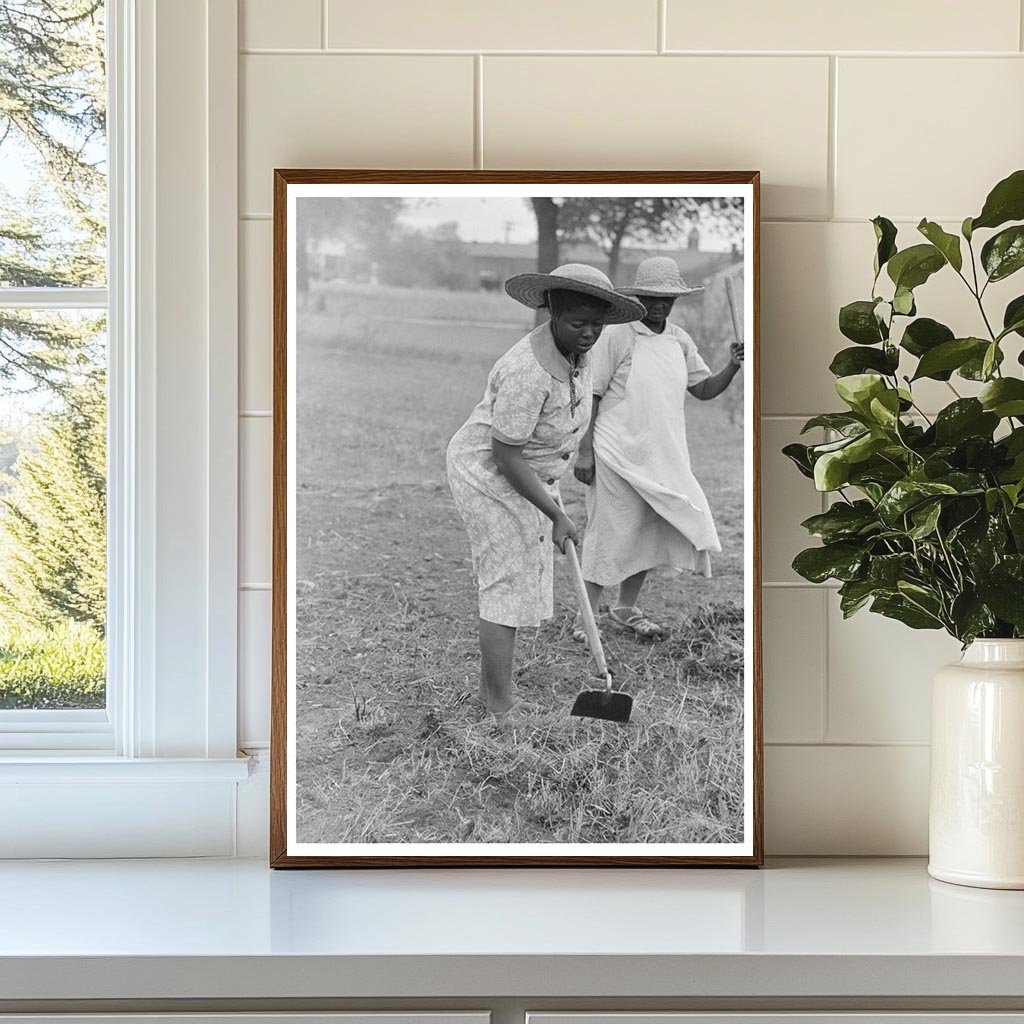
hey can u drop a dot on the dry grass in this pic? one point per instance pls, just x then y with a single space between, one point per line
392 744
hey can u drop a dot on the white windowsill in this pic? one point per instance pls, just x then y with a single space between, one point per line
77 766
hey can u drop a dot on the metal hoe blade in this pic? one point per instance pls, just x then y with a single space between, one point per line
606 704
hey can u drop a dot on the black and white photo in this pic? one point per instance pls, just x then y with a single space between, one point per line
516 561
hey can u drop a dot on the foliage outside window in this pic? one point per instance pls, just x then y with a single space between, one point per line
53 198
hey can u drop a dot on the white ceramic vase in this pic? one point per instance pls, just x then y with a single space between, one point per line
976 813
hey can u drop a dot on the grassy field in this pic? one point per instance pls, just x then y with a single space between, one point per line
392 744
61 667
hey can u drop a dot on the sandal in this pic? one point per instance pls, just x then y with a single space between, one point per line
579 632
634 621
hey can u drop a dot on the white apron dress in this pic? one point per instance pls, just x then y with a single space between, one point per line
646 510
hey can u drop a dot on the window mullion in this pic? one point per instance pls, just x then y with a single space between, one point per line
53 298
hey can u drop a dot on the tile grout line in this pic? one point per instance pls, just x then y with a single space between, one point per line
824 723
1020 25
854 744
258 51
831 171
662 41
799 585
826 650
323 24
478 111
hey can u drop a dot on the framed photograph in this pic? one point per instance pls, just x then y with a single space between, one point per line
516 551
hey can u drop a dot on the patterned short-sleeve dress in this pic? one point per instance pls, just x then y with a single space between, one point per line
534 399
645 509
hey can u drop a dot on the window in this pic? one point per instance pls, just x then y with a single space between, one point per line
154 767
53 369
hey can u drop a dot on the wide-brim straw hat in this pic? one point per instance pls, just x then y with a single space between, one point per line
531 290
659 275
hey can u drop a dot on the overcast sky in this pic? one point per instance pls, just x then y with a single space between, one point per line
479 220
491 220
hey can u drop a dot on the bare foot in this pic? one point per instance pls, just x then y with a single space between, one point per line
519 712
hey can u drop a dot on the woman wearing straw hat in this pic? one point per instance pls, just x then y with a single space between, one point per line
645 509
505 462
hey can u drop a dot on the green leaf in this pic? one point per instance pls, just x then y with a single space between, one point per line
996 500
883 471
966 417
799 455
854 594
991 360
885 409
1013 474
971 617
833 420
903 302
887 570
1015 518
925 518
1013 317
850 361
885 236
949 356
1006 599
1014 441
1003 254
857 321
840 561
924 334
858 389
964 482
913 266
900 609
866 445
843 521
947 244
965 229
817 450
906 494
1005 202
1004 397
974 368
831 471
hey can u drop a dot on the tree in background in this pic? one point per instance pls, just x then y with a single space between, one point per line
546 210
706 317
365 225
614 222
53 234
53 526
53 115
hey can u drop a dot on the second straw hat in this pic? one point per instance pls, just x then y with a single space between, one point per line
659 275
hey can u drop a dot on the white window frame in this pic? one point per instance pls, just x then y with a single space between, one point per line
171 719
61 730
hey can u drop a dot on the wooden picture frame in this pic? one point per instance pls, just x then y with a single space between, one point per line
345 809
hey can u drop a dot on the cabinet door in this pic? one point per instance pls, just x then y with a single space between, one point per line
360 1017
785 1017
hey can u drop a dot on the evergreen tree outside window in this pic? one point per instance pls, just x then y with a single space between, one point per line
53 381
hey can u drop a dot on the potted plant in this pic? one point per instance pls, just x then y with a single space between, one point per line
927 521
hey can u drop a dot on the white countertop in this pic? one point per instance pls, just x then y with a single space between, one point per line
234 929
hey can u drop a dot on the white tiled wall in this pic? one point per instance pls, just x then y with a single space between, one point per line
906 109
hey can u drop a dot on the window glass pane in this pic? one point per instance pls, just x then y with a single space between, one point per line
52 509
53 148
